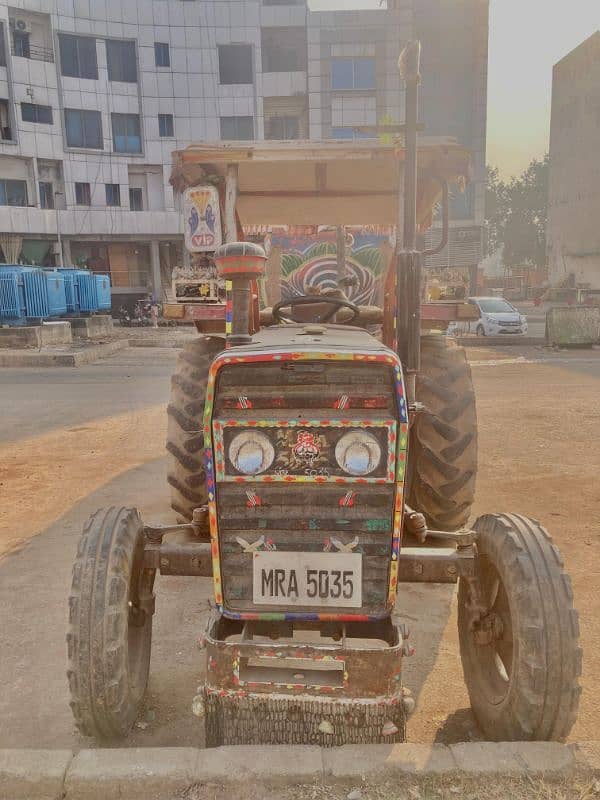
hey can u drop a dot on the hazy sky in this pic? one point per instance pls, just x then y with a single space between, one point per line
527 37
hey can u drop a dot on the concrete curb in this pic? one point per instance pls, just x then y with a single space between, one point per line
507 340
146 772
76 358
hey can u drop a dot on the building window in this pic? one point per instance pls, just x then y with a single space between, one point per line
287 127
78 58
5 129
21 44
165 126
283 49
121 61
126 133
350 133
235 63
84 129
46 194
136 200
13 193
162 56
34 113
2 47
113 194
353 73
237 128
83 195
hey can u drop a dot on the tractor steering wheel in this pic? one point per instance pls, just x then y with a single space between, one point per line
303 300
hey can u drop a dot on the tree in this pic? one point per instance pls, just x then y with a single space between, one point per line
516 214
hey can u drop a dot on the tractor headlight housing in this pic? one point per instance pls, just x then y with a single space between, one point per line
251 452
358 453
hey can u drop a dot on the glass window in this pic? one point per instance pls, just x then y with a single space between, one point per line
121 61
83 195
113 194
78 58
2 47
46 194
283 49
235 63
21 44
165 125
136 200
495 305
126 133
349 133
162 56
237 128
5 129
287 127
353 73
13 193
34 113
83 129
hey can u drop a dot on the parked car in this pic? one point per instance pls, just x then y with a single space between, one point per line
496 316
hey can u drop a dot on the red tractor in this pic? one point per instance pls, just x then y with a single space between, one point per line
316 467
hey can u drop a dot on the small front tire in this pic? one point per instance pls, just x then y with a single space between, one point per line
110 624
480 330
522 660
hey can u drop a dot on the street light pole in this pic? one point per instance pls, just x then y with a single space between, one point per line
58 233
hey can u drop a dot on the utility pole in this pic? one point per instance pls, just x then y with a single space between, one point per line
58 233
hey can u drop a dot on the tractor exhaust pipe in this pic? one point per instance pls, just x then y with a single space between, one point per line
409 259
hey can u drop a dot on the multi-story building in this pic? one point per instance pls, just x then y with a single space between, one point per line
96 94
573 233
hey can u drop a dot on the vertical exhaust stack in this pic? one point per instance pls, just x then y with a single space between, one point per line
240 263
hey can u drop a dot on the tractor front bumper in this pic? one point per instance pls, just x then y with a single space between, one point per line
336 684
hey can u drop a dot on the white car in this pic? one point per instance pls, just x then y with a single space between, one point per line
496 316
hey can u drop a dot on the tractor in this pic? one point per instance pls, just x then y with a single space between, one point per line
315 467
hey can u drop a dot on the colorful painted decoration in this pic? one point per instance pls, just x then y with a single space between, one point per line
347 501
307 447
253 499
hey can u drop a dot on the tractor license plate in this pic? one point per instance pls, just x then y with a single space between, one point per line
308 579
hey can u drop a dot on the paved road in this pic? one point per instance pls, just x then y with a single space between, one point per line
34 581
35 401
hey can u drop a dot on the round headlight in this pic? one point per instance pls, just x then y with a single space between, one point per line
251 452
358 453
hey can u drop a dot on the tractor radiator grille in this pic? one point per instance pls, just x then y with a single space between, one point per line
320 510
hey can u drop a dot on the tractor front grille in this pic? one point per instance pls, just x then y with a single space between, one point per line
313 507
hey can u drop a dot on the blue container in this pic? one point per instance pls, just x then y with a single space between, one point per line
12 295
36 293
57 298
88 292
103 292
71 290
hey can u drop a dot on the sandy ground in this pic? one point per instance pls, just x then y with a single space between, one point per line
539 455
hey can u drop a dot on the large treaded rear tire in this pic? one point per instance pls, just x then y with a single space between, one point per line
185 440
443 440
110 624
536 694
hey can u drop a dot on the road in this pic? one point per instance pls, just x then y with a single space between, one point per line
74 440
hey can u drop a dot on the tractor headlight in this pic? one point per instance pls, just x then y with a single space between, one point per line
251 452
358 453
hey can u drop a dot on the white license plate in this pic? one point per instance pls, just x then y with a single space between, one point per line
308 579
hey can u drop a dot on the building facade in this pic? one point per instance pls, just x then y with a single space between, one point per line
96 94
573 234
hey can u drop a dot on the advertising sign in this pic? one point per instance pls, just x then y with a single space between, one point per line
202 217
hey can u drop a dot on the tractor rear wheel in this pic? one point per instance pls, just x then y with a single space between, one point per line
443 439
185 440
521 659
110 624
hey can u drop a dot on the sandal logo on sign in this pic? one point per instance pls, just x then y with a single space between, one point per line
306 447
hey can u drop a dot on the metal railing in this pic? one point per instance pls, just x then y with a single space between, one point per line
34 53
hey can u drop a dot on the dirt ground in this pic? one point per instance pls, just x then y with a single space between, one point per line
539 451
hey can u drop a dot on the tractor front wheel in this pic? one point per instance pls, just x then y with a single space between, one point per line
185 439
110 624
519 633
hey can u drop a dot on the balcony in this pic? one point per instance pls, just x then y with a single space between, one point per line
33 52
